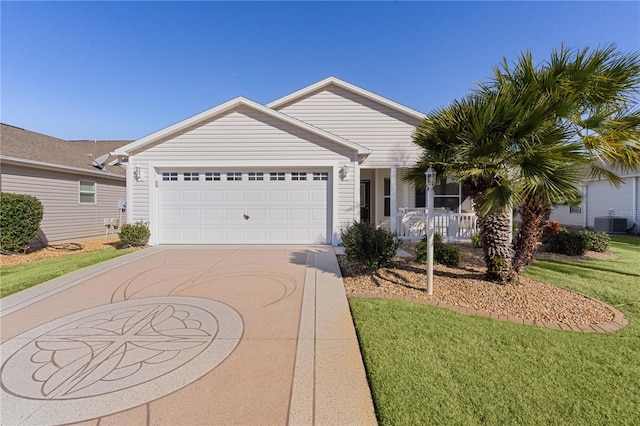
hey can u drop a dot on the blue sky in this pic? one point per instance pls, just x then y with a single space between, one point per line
122 70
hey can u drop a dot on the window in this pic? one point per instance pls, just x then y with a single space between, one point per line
191 176
387 196
276 176
87 192
256 176
320 175
234 175
298 175
169 176
575 209
212 176
446 196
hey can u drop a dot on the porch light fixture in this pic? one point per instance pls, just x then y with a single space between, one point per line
430 178
344 171
137 173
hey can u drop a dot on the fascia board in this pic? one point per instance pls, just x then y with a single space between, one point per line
350 87
228 106
57 167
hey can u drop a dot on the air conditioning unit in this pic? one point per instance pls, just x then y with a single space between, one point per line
610 224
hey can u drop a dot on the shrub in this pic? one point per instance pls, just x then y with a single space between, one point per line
476 241
550 227
565 242
369 246
445 254
596 241
135 234
20 217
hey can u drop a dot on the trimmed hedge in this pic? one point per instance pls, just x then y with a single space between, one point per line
565 242
20 217
597 241
369 246
135 234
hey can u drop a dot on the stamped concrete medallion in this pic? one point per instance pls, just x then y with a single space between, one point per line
113 357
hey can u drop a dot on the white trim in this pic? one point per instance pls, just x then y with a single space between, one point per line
57 167
347 86
224 108
94 192
335 232
129 192
393 193
356 192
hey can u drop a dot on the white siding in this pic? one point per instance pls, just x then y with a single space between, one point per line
240 139
242 135
387 132
64 217
604 199
563 215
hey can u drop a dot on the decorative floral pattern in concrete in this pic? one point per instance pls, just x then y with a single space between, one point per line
114 357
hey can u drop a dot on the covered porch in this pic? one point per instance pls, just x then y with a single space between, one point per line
386 200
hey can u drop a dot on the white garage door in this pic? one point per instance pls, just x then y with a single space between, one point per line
262 206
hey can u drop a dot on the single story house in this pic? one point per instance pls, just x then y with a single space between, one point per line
80 199
605 207
296 170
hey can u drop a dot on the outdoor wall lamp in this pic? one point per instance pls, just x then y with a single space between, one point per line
137 173
344 171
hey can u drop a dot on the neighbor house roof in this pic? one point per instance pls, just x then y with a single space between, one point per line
24 147
224 108
329 81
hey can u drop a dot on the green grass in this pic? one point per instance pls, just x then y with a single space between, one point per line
16 278
427 365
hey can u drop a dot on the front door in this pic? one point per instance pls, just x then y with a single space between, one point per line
365 200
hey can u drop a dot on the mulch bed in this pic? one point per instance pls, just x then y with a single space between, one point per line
57 250
465 287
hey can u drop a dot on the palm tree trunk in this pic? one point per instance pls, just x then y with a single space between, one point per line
534 213
498 251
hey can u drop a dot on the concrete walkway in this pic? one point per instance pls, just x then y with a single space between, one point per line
193 335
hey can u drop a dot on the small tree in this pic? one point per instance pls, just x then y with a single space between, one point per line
369 246
20 217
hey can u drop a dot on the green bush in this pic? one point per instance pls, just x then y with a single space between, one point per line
20 217
565 242
135 234
596 241
476 241
369 246
445 254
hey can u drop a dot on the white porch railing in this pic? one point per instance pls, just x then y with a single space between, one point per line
451 226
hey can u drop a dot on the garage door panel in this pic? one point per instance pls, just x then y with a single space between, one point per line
256 195
278 195
212 195
234 195
210 212
299 195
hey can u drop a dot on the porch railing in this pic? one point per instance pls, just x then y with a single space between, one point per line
451 226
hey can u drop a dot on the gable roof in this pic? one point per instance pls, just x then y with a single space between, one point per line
329 81
35 149
227 107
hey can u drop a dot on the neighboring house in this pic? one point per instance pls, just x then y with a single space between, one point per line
76 196
297 170
602 200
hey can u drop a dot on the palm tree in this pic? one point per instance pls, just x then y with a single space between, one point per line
477 140
596 93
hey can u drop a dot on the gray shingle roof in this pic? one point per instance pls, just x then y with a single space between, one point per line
31 146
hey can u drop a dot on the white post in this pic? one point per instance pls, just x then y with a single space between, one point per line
393 226
430 241
430 176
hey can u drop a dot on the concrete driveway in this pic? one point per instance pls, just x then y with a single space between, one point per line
191 335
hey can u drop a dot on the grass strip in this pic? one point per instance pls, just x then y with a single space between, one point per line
16 278
427 365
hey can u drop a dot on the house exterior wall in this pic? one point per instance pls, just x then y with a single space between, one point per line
243 139
64 218
386 132
601 198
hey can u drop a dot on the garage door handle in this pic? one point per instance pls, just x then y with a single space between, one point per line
245 216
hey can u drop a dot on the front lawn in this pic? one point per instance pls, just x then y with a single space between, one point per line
427 365
16 278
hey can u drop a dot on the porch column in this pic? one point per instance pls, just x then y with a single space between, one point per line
393 226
